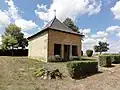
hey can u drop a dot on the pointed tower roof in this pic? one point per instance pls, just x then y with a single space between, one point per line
55 24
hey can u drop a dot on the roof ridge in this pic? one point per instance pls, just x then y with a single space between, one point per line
61 23
52 21
65 25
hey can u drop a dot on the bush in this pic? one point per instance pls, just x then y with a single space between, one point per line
51 59
55 58
116 59
39 72
77 69
75 58
89 53
58 58
105 60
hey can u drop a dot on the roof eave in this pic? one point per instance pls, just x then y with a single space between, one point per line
37 34
69 32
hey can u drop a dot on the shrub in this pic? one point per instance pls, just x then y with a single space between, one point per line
89 53
55 58
116 59
39 72
58 58
105 60
77 69
51 59
75 58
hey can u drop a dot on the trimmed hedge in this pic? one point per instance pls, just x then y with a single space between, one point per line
89 53
116 59
77 69
105 60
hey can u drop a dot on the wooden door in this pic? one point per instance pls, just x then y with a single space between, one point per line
66 52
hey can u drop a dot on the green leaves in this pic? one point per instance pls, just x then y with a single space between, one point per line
13 38
102 47
89 53
77 69
68 22
105 60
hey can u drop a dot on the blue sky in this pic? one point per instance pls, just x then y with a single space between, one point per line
99 20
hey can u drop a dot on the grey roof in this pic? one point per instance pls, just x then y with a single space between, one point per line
55 24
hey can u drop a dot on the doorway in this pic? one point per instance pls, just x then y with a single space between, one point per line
66 52
57 49
74 51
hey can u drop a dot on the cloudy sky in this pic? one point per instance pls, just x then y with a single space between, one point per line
99 20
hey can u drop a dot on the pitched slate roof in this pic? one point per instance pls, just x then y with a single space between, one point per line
55 24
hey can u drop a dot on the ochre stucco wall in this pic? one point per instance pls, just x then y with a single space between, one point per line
62 38
38 47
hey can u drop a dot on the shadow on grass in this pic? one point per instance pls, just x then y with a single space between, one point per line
87 75
116 62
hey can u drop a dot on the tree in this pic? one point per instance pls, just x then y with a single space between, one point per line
102 47
13 38
8 42
68 22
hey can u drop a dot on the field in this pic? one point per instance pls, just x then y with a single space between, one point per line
16 73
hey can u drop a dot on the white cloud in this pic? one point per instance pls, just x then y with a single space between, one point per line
116 10
93 39
13 10
118 34
12 15
4 19
114 46
44 7
26 35
99 34
25 25
113 29
88 43
85 31
68 8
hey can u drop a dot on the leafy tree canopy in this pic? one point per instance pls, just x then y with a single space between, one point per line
68 22
13 38
102 47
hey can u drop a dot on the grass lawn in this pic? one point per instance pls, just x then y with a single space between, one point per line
16 73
